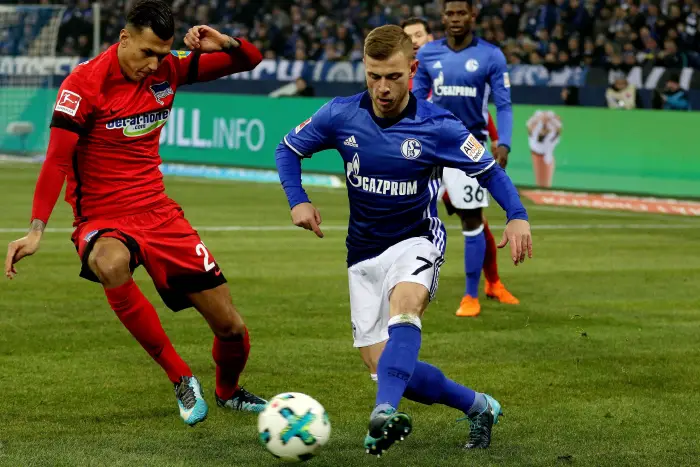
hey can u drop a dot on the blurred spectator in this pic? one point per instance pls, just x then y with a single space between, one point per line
303 88
674 97
569 96
670 57
622 95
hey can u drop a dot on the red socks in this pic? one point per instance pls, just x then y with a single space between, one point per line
138 315
141 319
230 357
490 264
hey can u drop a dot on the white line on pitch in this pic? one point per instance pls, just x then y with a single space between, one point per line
280 228
602 212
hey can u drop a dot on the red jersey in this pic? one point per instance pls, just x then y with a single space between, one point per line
115 166
491 127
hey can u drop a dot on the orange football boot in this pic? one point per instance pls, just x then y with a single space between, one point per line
498 291
469 307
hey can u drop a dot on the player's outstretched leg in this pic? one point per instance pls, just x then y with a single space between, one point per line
429 385
109 261
230 350
396 365
493 287
474 252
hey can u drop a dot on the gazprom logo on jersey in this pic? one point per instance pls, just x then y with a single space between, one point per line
140 125
377 185
440 89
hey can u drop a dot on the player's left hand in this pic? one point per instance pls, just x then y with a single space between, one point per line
25 246
494 146
206 39
501 156
518 234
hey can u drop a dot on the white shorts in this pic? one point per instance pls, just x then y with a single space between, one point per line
372 281
463 190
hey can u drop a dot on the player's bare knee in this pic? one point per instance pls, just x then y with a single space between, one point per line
409 299
231 325
233 331
109 260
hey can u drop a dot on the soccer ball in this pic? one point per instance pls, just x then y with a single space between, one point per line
293 427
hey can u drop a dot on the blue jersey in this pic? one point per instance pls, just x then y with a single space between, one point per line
463 81
392 167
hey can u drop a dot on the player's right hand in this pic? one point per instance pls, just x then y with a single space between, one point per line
307 216
25 246
518 234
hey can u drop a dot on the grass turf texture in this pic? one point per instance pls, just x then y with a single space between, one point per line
598 366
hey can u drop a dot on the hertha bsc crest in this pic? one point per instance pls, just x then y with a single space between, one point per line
161 91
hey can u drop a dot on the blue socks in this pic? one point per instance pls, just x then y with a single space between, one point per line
428 385
474 253
425 386
398 360
400 374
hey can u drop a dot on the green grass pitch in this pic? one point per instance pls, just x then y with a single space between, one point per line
598 366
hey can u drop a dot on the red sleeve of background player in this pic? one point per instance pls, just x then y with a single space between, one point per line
493 132
197 67
53 173
71 118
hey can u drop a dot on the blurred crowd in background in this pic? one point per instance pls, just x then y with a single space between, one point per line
615 34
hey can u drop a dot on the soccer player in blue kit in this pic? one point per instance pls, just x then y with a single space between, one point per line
393 147
463 70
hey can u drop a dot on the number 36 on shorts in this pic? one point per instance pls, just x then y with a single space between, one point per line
464 191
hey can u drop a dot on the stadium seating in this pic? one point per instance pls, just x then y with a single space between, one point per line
555 33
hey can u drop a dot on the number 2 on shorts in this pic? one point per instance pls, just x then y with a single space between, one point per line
202 250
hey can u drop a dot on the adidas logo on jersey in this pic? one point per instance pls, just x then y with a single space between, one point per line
437 66
351 142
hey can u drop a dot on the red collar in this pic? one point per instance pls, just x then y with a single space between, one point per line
114 68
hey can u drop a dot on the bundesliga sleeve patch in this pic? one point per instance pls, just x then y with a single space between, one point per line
473 148
302 125
506 80
181 53
68 102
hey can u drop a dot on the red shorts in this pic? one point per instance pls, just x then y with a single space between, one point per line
165 243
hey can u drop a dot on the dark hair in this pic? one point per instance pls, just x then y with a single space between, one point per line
415 20
445 2
154 14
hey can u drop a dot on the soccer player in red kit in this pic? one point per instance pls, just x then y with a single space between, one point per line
104 139
419 31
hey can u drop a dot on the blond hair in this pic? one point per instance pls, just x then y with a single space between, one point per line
385 41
